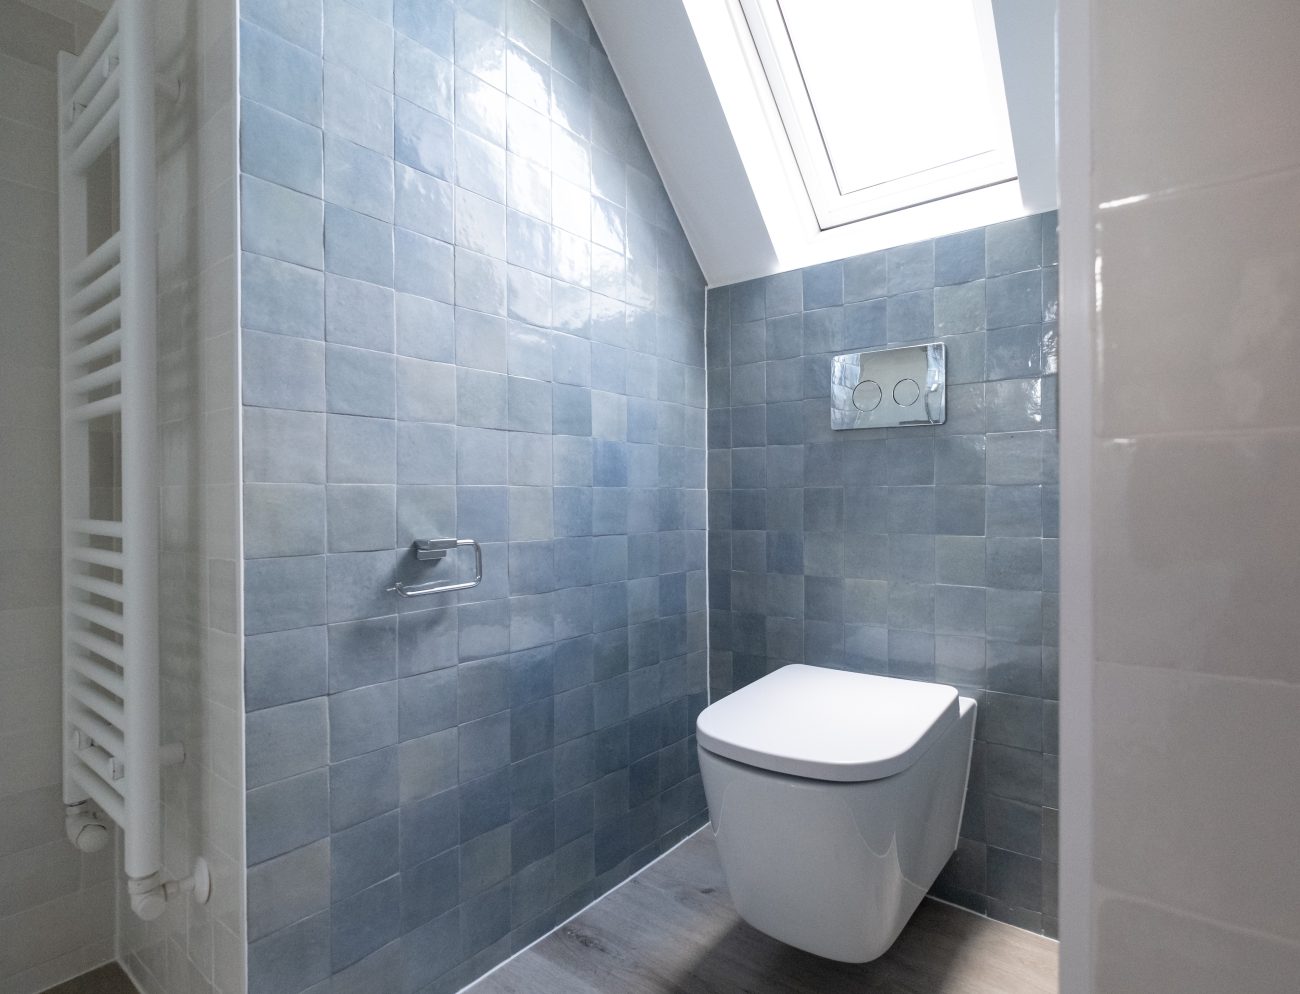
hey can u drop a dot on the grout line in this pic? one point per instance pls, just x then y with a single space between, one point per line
995 921
585 908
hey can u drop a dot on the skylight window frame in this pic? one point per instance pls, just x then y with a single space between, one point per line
779 67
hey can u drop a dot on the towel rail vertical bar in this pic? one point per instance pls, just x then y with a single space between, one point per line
83 828
143 800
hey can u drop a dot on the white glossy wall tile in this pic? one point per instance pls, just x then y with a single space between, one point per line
1194 242
56 916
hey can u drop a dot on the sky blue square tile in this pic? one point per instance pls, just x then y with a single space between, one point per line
363 720
294 958
359 41
357 584
281 298
283 519
358 111
358 246
422 140
360 382
959 258
1015 300
429 22
425 328
279 74
362 653
910 267
364 922
359 314
363 787
426 391
423 266
281 223
287 814
480 282
280 667
426 453
960 309
427 703
909 317
1014 246
360 450
362 855
481 340
298 21
823 285
358 178
283 372
285 741
865 276
280 149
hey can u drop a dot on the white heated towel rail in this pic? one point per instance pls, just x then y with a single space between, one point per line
112 754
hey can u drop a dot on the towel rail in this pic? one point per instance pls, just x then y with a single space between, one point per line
112 755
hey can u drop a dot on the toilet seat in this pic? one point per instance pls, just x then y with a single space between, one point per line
832 725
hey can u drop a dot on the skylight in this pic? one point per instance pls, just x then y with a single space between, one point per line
886 103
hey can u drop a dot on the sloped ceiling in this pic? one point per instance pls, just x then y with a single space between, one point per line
744 224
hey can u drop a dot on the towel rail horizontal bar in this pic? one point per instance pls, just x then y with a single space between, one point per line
108 283
108 253
103 36
98 586
98 616
98 557
100 347
106 130
101 673
103 794
111 404
105 376
107 315
101 703
98 527
93 727
90 114
100 646
105 766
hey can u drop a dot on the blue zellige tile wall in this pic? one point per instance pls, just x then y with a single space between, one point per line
928 553
467 310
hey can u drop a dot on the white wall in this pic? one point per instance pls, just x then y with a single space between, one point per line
1180 252
56 905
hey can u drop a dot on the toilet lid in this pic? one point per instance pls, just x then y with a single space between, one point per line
827 724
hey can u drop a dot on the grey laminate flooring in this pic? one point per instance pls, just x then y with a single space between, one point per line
672 929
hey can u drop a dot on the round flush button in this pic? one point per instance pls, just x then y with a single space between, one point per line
906 392
866 395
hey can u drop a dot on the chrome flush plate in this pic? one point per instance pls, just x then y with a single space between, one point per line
890 387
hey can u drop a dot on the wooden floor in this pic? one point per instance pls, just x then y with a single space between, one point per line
108 979
672 929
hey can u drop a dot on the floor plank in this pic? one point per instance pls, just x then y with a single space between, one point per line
672 930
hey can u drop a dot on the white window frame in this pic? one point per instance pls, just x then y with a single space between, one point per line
833 207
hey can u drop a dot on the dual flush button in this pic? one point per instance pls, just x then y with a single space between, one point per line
888 388
867 394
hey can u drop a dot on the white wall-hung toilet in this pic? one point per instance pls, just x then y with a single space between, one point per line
835 799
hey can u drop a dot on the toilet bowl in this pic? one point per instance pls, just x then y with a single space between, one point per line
835 799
